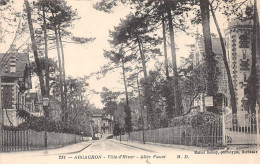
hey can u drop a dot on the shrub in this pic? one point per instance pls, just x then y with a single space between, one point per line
41 124
194 119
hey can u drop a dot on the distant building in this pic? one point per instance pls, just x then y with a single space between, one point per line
97 121
103 124
16 81
107 124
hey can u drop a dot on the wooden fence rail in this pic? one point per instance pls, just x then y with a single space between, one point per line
210 135
19 140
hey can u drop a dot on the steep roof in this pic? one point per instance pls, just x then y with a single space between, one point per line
216 45
22 60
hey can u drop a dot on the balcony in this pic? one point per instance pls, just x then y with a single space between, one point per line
22 111
105 126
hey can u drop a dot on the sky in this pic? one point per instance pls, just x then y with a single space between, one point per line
81 60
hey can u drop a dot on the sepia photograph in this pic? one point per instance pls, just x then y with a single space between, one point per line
129 82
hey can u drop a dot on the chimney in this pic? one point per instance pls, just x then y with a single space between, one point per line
13 58
12 48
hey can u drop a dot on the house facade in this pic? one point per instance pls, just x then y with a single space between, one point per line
15 83
238 39
198 60
107 124
239 53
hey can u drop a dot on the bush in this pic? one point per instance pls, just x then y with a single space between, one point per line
195 119
41 124
95 138
200 126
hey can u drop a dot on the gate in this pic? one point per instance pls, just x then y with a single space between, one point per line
242 128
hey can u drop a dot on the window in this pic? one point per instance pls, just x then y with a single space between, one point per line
244 65
244 54
12 69
243 41
104 124
7 96
110 124
245 77
245 92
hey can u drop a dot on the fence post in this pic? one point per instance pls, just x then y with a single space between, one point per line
7 140
223 129
257 124
19 141
12 140
1 140
29 139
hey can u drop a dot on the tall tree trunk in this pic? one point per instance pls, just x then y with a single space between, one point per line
149 107
165 49
252 89
34 48
60 68
141 108
258 53
126 92
128 119
1 112
177 98
142 56
63 68
47 78
209 55
230 82
47 72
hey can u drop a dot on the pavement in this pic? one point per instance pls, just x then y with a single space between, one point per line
73 148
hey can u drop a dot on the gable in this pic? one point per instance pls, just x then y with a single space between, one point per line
22 60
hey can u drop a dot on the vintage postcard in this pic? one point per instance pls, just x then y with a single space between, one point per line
129 82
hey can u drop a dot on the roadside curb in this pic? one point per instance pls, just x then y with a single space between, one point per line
191 148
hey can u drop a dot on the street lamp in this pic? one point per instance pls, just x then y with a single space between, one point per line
92 125
81 136
45 103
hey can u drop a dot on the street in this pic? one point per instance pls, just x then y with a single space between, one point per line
112 151
98 151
